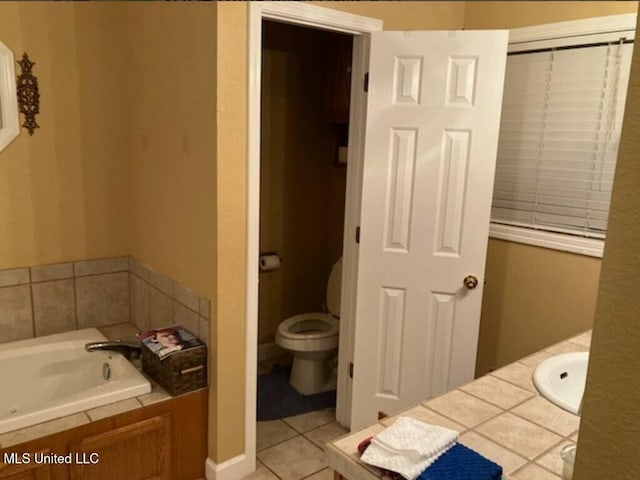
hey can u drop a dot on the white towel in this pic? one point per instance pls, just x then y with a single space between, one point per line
409 446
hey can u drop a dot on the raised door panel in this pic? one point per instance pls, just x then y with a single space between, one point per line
140 451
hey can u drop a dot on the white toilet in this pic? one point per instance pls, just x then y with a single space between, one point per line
312 338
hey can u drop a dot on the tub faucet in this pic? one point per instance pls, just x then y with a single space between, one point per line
130 350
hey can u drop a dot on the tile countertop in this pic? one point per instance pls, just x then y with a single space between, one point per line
125 332
500 415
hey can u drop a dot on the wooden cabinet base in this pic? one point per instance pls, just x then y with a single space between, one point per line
26 471
164 441
99 457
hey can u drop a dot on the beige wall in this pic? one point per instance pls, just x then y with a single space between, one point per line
171 117
171 80
302 191
512 14
71 192
608 445
187 148
226 432
407 15
533 296
65 189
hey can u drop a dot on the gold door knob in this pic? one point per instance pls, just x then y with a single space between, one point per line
470 282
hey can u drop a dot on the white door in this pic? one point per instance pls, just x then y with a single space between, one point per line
429 158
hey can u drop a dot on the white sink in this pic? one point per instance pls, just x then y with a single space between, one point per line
561 379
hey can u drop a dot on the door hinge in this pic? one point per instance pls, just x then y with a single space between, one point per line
366 82
357 234
351 370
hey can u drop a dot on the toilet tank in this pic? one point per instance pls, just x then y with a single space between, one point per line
334 288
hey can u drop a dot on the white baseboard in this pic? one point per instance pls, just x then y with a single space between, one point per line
233 469
270 350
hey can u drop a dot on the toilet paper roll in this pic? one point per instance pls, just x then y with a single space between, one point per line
269 262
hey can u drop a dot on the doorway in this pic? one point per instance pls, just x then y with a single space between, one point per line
303 169
311 16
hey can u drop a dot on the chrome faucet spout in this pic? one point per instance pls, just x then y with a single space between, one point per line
130 350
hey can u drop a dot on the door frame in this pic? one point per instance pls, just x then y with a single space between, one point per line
327 19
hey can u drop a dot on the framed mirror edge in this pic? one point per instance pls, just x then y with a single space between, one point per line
9 116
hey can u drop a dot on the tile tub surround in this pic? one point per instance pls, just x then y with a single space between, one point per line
157 301
46 299
500 415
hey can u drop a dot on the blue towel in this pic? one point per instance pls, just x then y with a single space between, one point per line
462 463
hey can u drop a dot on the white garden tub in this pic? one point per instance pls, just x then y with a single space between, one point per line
49 377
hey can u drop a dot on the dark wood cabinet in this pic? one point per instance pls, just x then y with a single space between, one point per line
338 78
163 441
26 471
146 446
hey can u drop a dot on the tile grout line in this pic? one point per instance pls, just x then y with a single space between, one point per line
267 467
130 290
510 410
298 435
506 447
33 310
546 452
492 374
532 395
468 428
75 295
315 473
519 469
280 443
510 449
2 287
149 284
306 431
541 426
277 443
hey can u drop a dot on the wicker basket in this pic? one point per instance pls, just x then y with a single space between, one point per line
180 372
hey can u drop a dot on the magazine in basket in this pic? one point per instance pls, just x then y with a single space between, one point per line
169 340
175 358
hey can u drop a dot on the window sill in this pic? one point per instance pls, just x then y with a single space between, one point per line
556 241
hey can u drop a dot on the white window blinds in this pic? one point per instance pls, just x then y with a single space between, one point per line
560 128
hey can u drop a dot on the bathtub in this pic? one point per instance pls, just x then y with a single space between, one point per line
49 377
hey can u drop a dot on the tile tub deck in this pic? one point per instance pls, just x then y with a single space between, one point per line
124 331
500 415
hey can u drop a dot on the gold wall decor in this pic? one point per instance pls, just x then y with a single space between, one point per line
28 94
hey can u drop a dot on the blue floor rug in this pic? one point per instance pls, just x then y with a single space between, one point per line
277 399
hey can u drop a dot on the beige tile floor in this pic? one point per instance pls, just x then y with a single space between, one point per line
293 448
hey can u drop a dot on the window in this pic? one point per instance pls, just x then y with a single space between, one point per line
561 120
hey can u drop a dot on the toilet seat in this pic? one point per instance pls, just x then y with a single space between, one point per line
309 326
309 333
312 338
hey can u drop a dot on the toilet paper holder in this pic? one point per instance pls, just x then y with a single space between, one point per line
269 261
